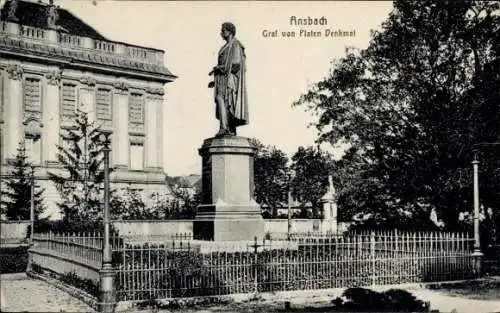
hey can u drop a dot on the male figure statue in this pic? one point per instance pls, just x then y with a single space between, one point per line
229 82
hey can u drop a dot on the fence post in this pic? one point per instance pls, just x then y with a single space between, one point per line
373 257
255 261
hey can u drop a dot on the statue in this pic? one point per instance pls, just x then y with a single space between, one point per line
332 188
229 83
12 11
52 16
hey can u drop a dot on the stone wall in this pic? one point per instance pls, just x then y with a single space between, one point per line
153 228
171 227
13 231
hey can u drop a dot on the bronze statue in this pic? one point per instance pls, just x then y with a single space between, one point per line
229 82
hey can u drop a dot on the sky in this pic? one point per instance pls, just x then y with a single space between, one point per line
279 69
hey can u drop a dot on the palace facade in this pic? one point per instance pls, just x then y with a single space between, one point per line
51 64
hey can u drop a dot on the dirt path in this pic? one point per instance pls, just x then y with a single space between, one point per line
20 293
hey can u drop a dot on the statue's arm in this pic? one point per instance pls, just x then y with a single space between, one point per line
237 59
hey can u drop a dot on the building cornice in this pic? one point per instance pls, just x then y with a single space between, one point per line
84 59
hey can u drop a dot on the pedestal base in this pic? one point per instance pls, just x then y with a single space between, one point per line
228 230
228 211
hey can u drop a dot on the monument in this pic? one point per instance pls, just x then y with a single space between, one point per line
329 201
228 211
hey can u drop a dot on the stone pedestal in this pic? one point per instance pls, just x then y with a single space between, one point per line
228 211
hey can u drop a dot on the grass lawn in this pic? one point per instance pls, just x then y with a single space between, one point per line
13 259
483 289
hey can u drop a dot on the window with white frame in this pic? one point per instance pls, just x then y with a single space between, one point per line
136 156
32 146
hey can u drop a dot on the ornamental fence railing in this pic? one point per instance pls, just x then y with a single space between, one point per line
181 267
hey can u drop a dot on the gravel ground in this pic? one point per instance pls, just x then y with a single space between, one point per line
20 293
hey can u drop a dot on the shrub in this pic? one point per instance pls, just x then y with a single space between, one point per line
36 268
366 300
62 226
13 260
84 284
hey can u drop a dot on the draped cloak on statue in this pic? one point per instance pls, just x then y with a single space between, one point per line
231 85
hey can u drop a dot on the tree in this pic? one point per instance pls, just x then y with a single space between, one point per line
410 107
127 204
310 183
16 196
270 177
80 182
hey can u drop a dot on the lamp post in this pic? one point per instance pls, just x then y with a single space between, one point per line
1 141
107 273
32 205
476 254
290 175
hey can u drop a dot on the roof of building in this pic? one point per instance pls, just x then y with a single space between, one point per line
190 181
82 57
35 14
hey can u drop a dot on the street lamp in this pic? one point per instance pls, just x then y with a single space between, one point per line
477 254
107 273
290 175
32 204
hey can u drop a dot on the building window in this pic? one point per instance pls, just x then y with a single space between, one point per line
68 108
103 100
136 109
32 95
136 156
32 146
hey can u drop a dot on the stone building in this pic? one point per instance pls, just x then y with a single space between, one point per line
51 63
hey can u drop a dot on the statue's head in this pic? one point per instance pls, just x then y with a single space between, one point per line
228 27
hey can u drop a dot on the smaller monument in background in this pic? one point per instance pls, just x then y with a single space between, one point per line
329 201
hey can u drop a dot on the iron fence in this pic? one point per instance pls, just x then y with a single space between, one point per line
86 247
185 269
177 266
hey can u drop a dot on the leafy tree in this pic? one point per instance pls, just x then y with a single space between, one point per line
270 177
410 107
80 182
183 200
16 194
127 204
310 183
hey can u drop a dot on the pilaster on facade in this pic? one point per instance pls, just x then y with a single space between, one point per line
119 141
51 112
13 110
154 129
